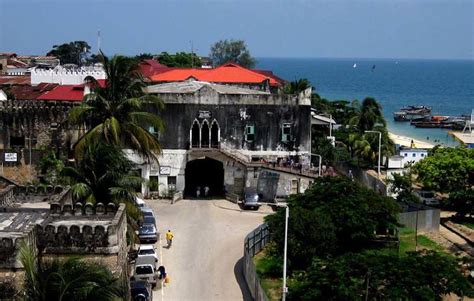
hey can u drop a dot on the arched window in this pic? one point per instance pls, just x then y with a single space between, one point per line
215 134
205 133
195 134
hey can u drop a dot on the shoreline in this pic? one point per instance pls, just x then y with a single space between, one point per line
406 141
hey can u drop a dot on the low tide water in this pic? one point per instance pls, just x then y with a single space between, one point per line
447 86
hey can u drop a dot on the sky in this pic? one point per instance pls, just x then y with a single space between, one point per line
428 29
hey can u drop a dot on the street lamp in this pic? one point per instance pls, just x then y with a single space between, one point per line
380 147
285 249
319 165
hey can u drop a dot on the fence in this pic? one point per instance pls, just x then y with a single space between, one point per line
420 217
255 241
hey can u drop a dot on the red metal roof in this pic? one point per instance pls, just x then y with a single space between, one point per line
73 93
227 73
152 67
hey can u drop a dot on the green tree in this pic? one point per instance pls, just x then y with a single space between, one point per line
402 186
335 215
75 52
180 59
297 86
369 115
235 51
375 276
462 202
120 114
447 169
69 279
49 167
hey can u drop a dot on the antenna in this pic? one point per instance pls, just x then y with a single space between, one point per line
98 41
192 54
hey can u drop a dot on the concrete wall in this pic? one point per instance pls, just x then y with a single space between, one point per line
423 218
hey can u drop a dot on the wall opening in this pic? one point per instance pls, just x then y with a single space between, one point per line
202 173
215 134
195 134
205 134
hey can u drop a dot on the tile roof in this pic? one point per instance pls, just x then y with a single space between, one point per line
227 73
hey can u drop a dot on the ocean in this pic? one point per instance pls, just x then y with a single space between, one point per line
447 86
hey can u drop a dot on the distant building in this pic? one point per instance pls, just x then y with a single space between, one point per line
407 156
66 76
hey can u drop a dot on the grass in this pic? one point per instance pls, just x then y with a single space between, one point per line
408 242
469 225
271 285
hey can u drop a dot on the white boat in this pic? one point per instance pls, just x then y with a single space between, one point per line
355 66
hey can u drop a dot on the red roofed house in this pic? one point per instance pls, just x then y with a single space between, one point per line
229 74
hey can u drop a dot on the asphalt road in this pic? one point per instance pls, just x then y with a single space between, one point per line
204 262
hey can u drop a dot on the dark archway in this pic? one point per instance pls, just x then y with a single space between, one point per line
205 134
201 173
214 134
195 134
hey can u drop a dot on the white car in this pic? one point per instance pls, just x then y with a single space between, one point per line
427 197
140 202
147 251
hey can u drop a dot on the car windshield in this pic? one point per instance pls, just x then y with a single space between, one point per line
146 252
147 229
144 269
148 220
147 213
428 195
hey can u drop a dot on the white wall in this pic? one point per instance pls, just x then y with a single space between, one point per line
413 156
65 76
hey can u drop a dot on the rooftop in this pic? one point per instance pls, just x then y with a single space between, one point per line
192 86
227 73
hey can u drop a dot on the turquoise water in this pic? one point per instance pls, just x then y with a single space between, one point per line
447 86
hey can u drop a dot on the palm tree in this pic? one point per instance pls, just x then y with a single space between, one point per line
368 115
68 279
103 174
297 86
118 113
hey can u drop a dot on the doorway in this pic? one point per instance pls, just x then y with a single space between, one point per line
202 173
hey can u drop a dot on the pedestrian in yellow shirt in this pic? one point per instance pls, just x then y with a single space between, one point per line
169 238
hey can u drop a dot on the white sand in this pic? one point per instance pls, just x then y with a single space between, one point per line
406 141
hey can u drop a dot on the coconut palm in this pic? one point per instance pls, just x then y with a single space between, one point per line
68 279
119 112
369 114
102 175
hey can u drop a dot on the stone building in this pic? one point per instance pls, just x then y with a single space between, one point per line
46 218
220 136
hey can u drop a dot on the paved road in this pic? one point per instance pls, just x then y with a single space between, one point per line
204 261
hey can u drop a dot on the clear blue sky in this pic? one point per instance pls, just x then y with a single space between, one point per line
271 28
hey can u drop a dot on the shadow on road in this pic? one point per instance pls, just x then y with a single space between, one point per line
239 276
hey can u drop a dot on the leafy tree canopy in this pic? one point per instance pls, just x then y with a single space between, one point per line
374 276
447 169
297 86
333 216
75 52
235 51
180 59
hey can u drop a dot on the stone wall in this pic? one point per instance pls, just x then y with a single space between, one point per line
6 196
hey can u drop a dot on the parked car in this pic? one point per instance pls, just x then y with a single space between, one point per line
427 197
147 233
149 219
146 270
141 291
147 211
147 250
251 201
140 202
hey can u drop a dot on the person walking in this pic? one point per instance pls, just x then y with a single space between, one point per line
169 238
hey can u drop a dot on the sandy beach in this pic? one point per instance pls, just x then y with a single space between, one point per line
406 141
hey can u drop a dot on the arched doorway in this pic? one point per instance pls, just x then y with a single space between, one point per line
201 173
195 133
205 134
214 134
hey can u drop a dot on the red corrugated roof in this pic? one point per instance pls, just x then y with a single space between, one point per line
64 93
31 92
151 67
12 80
227 73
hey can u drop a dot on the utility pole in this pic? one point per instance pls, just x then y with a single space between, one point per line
285 249
98 41
192 54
